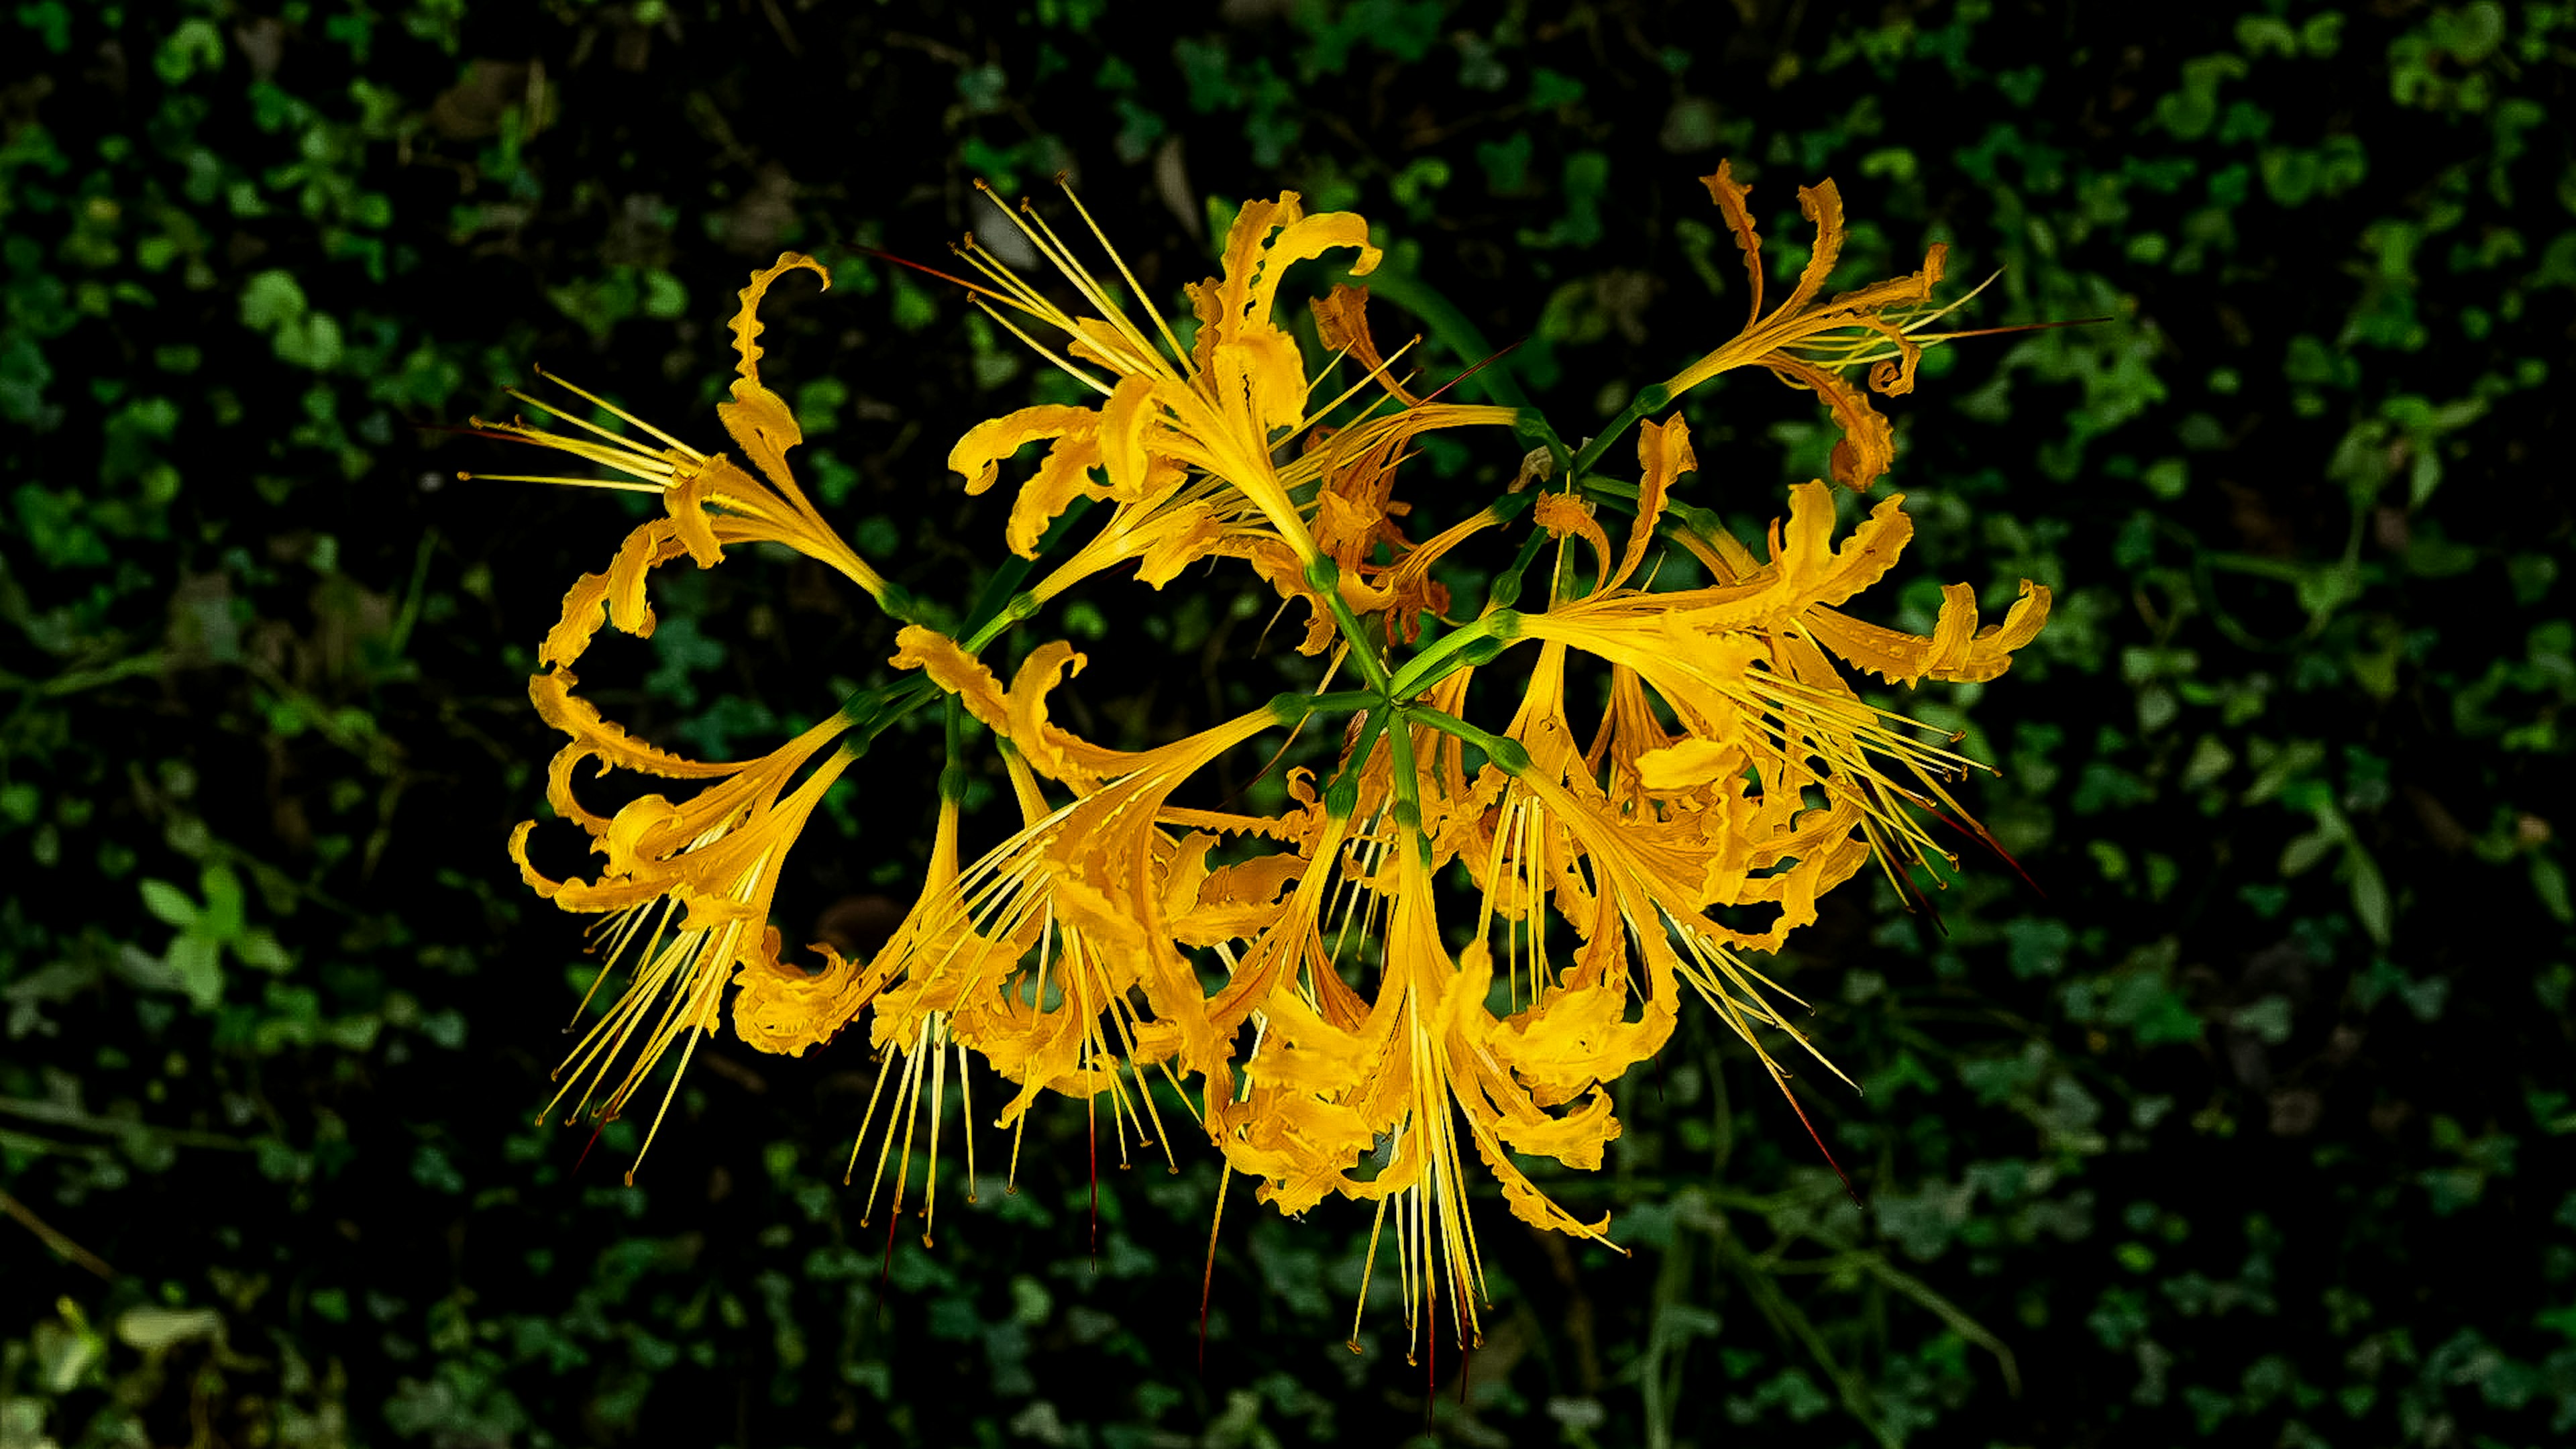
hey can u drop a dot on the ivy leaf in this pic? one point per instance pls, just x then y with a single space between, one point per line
2369 893
260 950
194 960
169 904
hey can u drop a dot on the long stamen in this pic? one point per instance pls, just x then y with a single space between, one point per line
1207 1279
1368 1267
1180 354
614 438
966 1118
610 483
938 1110
651 466
606 406
1042 350
1015 291
1035 227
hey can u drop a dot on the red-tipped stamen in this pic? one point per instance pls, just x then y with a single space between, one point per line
1207 1279
930 271
1498 355
1781 1081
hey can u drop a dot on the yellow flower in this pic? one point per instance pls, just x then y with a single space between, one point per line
1189 437
745 509
1214 407
686 889
1053 956
1375 1063
1740 665
792 1013
1290 976
687 886
1043 948
1807 340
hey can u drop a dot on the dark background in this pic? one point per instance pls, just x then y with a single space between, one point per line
2247 1123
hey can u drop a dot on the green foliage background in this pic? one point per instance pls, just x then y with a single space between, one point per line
2249 1122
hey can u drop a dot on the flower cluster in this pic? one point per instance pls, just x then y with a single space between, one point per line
1447 945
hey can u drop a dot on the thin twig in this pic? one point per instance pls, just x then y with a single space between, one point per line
53 1238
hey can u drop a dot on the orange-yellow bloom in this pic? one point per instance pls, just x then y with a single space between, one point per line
1296 980
686 888
1188 437
711 500
1807 340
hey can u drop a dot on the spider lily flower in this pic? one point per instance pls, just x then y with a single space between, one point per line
1215 406
711 500
1370 1078
1201 426
785 1011
792 1013
686 887
1353 1088
1296 967
1054 955
685 890
1425 1030
1653 868
1808 340
1743 663
1780 785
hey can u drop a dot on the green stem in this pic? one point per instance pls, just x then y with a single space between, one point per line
1342 796
1015 609
872 709
1652 398
1506 587
1507 753
1408 786
1001 604
1292 707
1445 656
1325 577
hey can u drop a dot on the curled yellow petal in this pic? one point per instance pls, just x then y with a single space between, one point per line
645 550
979 454
1222 303
595 738
1732 198
758 418
1814 571
1304 240
1055 754
585 609
1958 650
1868 444
780 1009
616 596
1822 204
956 671
1124 419
686 501
746 325
1341 324
1182 537
1062 476
1663 456
1565 516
